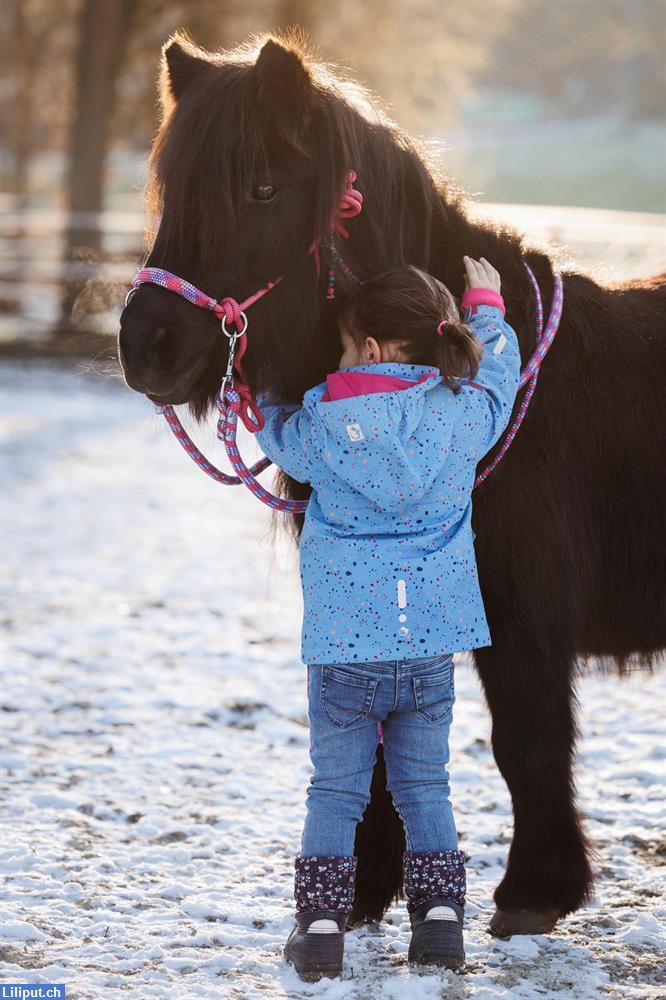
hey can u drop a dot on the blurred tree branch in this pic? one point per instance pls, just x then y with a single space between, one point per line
35 51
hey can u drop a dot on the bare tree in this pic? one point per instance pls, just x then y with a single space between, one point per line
103 33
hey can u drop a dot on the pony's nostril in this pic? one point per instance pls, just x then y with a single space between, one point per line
161 335
163 343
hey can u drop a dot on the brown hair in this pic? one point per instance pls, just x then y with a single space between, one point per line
405 306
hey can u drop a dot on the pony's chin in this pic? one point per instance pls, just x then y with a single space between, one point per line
173 399
185 390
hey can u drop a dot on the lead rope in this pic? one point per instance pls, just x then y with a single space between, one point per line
229 402
530 373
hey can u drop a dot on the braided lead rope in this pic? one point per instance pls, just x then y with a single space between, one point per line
530 372
227 426
538 301
230 405
552 326
197 456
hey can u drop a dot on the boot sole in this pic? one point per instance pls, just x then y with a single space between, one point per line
317 958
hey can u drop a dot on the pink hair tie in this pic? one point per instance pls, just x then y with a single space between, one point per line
441 327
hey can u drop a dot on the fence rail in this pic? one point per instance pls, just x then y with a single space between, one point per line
610 245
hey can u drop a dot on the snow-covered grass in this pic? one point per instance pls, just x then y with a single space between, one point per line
154 744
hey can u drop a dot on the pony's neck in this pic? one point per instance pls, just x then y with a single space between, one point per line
453 233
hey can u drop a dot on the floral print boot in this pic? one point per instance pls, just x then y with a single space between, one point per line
435 886
324 894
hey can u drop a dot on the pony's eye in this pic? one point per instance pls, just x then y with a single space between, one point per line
264 192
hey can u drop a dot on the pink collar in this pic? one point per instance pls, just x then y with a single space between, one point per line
342 385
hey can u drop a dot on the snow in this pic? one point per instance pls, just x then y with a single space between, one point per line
19 930
155 746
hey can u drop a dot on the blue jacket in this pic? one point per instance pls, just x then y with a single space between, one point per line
387 558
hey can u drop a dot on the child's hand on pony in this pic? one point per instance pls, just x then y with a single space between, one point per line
481 274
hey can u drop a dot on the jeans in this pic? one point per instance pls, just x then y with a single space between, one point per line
413 699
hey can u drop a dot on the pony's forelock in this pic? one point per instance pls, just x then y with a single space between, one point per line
220 121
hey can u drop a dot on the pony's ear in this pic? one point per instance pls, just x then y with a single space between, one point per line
182 63
285 88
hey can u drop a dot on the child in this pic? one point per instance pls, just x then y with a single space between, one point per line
390 444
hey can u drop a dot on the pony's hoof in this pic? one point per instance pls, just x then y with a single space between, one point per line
508 922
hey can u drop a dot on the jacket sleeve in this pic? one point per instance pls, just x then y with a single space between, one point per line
496 382
365 440
285 435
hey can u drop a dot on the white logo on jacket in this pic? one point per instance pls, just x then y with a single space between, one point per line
354 432
500 345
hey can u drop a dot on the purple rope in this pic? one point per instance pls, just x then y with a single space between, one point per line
227 426
156 276
197 456
530 372
543 339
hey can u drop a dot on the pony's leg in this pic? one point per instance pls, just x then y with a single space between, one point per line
380 842
530 694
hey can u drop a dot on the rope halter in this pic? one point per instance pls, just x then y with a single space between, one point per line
229 311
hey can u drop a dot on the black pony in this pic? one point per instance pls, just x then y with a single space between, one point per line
571 542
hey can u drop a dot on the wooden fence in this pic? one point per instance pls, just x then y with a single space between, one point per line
610 245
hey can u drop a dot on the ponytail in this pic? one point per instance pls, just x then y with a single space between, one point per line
458 352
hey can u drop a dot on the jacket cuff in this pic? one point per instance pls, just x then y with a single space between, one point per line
474 297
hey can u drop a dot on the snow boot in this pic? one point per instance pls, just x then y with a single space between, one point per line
435 889
324 894
313 952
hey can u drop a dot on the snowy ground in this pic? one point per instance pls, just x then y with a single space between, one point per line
155 750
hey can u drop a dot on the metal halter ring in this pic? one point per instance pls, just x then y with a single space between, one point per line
129 296
236 333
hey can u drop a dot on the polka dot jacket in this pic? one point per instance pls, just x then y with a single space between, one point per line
388 568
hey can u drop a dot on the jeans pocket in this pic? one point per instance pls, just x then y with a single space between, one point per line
346 697
434 694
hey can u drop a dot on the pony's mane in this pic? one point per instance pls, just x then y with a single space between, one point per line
222 129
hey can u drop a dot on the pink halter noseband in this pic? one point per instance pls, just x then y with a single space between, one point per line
235 398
